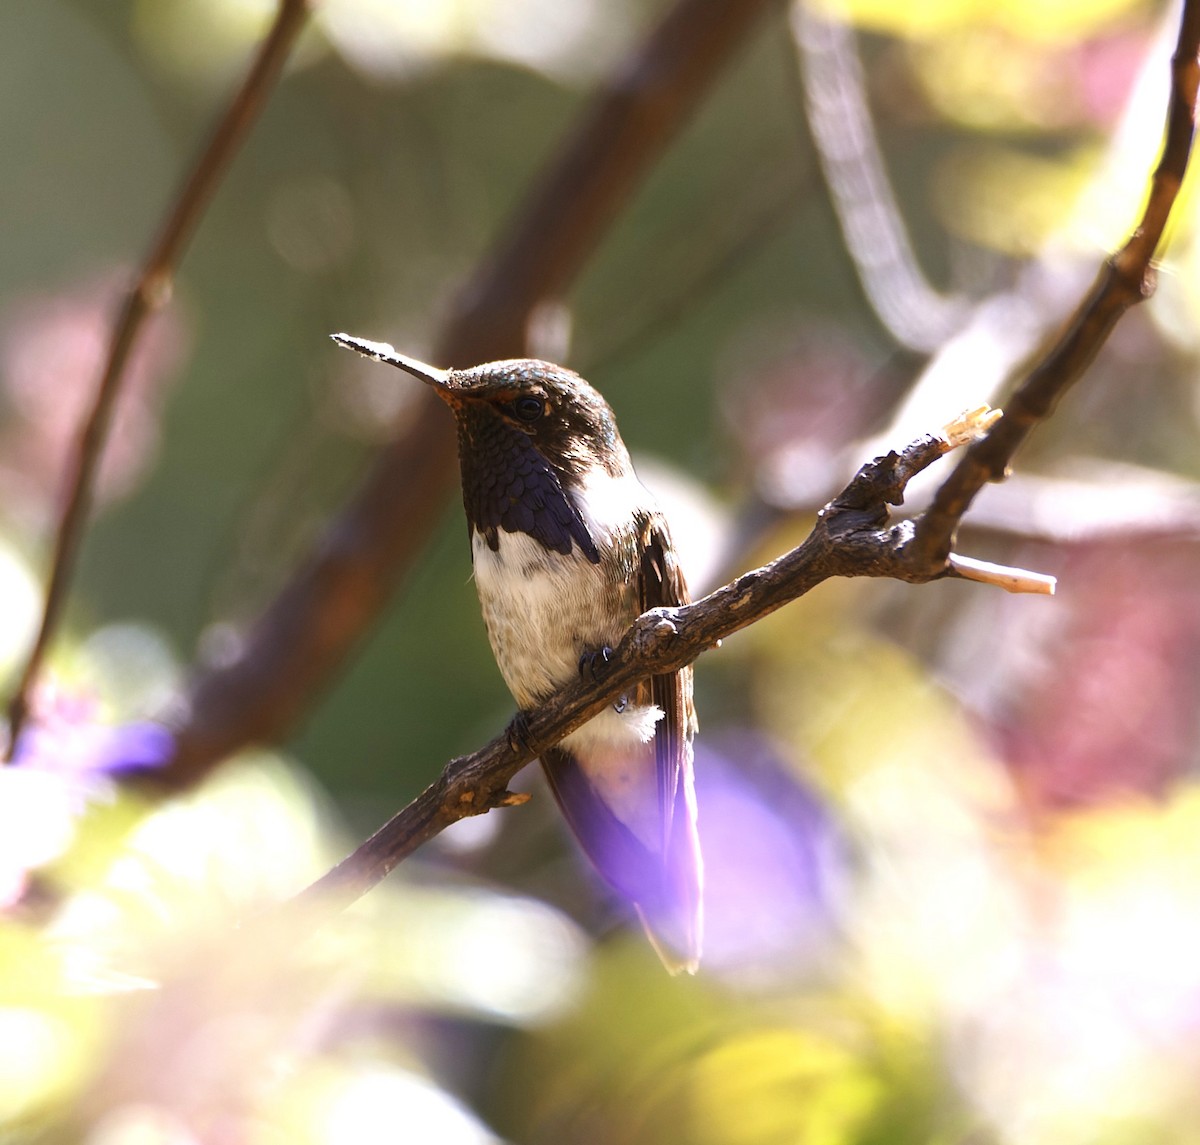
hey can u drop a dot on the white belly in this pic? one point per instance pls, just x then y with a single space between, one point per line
543 611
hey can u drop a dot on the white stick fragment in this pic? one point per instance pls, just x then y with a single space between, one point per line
969 426
1003 576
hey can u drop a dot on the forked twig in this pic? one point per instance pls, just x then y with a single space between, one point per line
852 537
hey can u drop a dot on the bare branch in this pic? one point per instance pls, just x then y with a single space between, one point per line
1125 280
308 630
150 292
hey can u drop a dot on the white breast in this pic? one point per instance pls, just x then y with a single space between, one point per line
543 610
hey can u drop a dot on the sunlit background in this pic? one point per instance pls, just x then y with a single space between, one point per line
952 837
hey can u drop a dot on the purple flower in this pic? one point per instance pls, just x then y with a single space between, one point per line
67 738
65 759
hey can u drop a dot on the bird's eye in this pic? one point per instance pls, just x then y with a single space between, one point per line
529 408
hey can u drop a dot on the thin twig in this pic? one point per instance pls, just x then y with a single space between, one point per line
336 594
1126 279
852 537
150 292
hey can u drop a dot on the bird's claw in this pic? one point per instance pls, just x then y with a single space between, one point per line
592 663
518 733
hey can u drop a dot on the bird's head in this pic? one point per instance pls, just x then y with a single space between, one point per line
516 404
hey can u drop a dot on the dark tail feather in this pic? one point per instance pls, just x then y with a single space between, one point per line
665 889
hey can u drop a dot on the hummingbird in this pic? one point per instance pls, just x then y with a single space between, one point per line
568 549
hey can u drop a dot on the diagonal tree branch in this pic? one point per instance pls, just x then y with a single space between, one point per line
852 537
1126 279
308 630
150 292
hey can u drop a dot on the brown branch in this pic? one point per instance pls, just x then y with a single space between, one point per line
1126 279
308 630
150 292
852 537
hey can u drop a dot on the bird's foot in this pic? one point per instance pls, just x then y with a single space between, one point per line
592 663
517 733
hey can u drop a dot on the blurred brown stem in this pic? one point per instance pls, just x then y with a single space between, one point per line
1126 279
307 631
150 292
831 76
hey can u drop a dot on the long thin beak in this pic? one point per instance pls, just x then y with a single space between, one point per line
382 352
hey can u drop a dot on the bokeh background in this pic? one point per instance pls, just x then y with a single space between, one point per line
953 837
